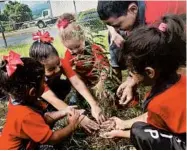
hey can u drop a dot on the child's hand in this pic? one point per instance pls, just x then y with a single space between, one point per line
116 123
116 38
88 124
103 76
73 118
111 134
97 114
125 91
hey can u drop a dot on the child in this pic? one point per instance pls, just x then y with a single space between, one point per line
152 56
127 17
56 82
87 59
25 125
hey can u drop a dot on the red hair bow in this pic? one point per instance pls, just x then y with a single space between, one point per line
63 23
43 37
13 59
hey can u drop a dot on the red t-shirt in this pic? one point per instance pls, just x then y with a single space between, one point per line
67 68
98 60
155 9
168 110
23 129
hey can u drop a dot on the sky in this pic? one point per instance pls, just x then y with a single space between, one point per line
81 4
67 5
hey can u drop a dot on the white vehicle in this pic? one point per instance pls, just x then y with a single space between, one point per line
45 19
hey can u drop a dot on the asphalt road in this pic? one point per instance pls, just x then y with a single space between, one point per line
24 38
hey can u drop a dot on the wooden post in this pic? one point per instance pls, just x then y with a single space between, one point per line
3 34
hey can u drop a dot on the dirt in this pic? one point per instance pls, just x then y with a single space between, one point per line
84 141
81 140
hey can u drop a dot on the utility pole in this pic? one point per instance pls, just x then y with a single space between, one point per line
75 7
3 35
2 28
50 7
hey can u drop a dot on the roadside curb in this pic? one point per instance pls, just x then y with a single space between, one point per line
23 31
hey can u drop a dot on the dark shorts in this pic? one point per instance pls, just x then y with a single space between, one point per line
147 137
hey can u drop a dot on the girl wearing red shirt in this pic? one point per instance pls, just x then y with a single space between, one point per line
87 59
26 127
152 56
58 81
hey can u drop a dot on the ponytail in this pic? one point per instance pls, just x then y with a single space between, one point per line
162 47
175 35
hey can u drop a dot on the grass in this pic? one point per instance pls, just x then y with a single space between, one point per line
23 49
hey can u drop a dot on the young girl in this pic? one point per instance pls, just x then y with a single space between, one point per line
25 126
152 55
87 59
57 85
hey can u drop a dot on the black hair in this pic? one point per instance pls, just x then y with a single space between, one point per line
107 9
149 46
41 51
25 77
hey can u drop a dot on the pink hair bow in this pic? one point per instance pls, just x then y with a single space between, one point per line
43 37
13 59
162 27
62 23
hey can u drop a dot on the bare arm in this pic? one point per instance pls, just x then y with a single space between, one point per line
119 124
116 133
141 118
51 98
82 89
59 135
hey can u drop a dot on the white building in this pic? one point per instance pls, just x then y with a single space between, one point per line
2 5
60 7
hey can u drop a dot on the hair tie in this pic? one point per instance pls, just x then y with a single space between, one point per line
13 59
63 23
162 27
43 37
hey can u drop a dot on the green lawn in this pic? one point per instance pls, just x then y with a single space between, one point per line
23 49
79 139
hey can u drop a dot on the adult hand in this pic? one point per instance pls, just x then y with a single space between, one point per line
125 91
88 124
97 114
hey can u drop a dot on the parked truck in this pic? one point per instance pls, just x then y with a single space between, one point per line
45 19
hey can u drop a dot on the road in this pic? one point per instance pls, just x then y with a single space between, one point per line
23 38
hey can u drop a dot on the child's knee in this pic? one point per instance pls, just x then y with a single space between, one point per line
137 129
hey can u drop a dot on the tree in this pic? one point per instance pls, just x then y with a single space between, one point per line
17 12
90 18
3 17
